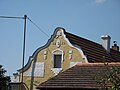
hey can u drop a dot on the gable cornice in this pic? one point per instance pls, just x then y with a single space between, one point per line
31 58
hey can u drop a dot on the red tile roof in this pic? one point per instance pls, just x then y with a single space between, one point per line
81 76
94 51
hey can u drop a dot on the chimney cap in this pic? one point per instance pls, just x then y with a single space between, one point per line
105 37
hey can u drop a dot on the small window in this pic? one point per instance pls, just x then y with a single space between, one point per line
57 61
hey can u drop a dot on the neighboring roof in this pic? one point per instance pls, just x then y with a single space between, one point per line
81 76
94 51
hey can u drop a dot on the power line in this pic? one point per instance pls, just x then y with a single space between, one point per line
11 17
37 27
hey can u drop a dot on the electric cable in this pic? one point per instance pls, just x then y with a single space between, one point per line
11 17
39 30
37 27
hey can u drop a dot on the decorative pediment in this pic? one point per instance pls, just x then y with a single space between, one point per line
58 41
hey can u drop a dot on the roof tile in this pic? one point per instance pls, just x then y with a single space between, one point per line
79 76
94 51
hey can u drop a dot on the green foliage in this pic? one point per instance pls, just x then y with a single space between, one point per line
108 78
4 80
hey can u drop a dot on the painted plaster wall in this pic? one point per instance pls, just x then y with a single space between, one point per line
32 81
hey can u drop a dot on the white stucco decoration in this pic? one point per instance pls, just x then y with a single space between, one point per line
45 57
57 51
45 52
59 33
70 56
73 64
81 52
58 43
56 70
70 51
38 71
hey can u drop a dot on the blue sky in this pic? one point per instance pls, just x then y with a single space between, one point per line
86 18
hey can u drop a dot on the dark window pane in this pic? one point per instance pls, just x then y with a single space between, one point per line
57 61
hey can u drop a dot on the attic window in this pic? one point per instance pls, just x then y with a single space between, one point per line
57 61
57 58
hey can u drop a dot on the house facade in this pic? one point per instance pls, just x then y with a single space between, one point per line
47 61
63 51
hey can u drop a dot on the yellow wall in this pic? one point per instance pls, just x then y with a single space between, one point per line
65 46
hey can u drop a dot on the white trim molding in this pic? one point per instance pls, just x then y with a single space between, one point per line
56 52
56 70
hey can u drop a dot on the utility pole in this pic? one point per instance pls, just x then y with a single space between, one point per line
24 43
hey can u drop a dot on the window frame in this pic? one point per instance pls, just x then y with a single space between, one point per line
57 52
57 62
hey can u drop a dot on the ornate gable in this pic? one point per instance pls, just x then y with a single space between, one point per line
57 55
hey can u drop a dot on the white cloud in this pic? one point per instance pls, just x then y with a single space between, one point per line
100 1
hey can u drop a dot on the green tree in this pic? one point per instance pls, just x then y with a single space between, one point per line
108 78
4 80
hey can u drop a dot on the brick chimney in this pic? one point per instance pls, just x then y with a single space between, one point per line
115 47
106 42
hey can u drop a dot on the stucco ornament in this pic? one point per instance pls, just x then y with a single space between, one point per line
70 54
59 33
45 55
56 70
58 43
